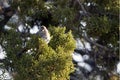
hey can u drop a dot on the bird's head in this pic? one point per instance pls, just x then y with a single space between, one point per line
42 28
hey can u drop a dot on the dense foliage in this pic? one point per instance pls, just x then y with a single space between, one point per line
51 61
94 21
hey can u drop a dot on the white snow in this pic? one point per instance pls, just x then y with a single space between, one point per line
88 4
34 30
83 23
86 57
77 57
20 28
85 66
7 27
79 44
87 46
4 75
118 68
14 18
5 4
2 53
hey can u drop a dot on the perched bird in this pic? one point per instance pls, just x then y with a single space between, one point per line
44 34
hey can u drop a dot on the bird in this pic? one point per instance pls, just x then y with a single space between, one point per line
44 34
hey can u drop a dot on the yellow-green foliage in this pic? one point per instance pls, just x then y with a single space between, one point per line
61 39
51 61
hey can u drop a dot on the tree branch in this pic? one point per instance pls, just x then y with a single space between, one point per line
94 43
93 10
82 7
85 35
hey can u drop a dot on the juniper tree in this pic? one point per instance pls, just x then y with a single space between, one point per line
100 17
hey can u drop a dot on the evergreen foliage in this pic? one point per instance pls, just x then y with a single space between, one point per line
51 61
